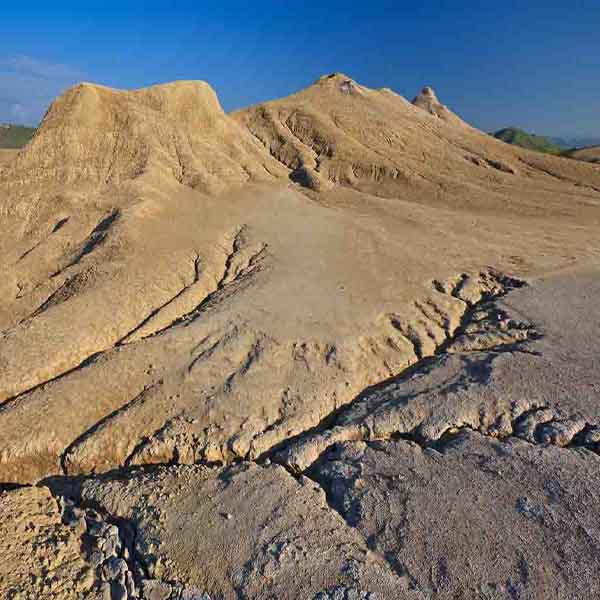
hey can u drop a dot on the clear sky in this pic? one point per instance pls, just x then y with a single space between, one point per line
529 63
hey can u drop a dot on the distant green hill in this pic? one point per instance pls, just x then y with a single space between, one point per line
15 136
518 137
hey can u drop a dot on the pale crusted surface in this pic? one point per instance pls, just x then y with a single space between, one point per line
522 366
180 286
39 556
245 532
476 518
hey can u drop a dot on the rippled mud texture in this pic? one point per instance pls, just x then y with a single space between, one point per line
263 354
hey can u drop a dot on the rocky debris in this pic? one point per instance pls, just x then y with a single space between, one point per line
40 555
474 516
342 593
283 542
108 549
81 553
154 589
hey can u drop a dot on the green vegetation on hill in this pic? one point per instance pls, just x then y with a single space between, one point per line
518 137
15 136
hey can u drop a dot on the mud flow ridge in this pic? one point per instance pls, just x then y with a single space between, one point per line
427 407
239 262
482 327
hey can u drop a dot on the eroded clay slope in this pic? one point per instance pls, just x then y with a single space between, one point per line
437 510
97 135
143 321
374 140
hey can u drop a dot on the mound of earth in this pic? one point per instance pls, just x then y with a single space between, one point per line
179 287
178 131
375 141
428 101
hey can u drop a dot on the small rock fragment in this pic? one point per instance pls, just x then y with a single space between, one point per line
118 591
153 589
96 558
113 568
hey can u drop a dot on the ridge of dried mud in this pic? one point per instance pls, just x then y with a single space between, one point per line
265 354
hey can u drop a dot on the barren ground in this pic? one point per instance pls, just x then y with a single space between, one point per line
334 346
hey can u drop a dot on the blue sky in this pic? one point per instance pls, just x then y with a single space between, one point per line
529 63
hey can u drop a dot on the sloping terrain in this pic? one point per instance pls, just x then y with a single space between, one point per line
97 135
338 131
590 154
179 286
7 156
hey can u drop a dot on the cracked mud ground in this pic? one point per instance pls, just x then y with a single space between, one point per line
287 354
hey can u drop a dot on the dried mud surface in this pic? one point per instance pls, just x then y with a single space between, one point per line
334 346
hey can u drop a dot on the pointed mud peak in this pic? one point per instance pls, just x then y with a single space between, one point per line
428 101
353 136
429 92
335 77
175 132
340 82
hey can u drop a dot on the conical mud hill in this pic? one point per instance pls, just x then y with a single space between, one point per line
178 131
151 321
428 101
183 288
340 132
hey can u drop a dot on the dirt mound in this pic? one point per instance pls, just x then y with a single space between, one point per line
178 131
144 321
282 302
375 141
428 101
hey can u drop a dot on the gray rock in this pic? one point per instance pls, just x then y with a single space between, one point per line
112 531
190 593
97 528
96 558
153 589
113 568
130 584
344 593
118 591
111 546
